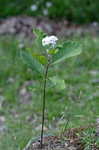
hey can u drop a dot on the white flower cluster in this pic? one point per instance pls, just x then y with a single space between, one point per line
45 12
49 40
48 4
34 7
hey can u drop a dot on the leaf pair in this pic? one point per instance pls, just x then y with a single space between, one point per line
67 50
36 61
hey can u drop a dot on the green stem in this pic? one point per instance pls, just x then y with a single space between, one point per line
43 109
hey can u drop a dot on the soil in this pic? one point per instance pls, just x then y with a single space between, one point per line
24 25
70 140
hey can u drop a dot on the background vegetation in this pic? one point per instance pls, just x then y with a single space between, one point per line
73 10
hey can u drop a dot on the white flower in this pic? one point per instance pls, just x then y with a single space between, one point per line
33 7
45 12
48 4
49 40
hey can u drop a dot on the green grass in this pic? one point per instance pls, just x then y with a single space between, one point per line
79 101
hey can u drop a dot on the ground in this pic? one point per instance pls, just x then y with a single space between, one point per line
72 139
24 25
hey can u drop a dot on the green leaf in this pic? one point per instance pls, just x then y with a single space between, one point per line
69 49
41 58
39 36
53 51
57 82
32 62
39 33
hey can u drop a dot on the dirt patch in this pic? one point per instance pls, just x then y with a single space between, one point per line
51 143
70 140
24 25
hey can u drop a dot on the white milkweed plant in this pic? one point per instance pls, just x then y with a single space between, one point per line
53 53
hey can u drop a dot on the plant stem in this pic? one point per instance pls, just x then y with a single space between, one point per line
44 100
